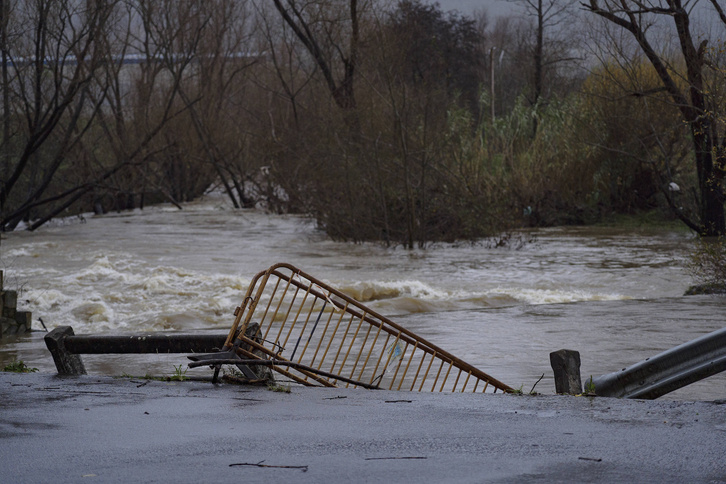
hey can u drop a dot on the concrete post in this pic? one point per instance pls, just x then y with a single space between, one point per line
66 363
24 319
10 303
566 365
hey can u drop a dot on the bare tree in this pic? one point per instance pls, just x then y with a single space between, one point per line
94 84
5 58
54 62
689 92
323 27
224 54
286 62
548 49
144 82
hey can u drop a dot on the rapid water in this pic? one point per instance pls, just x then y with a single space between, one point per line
612 294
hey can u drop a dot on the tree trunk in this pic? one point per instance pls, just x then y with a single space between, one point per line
694 106
538 54
710 181
5 143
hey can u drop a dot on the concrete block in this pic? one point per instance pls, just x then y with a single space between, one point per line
10 303
8 326
566 366
24 319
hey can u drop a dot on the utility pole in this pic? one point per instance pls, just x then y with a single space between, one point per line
491 75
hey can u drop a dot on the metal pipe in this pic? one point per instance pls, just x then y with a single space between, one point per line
290 364
143 343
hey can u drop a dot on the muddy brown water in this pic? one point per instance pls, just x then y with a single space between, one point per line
615 295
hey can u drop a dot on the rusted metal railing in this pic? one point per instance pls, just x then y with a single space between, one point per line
316 335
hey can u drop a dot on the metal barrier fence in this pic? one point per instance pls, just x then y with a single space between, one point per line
667 371
316 335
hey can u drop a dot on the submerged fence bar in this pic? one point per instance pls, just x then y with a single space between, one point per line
317 335
667 371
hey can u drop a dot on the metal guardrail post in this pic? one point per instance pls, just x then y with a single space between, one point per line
667 371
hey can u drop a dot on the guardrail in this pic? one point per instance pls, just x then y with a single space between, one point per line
667 371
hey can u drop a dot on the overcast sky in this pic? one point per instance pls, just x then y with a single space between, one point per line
703 16
493 7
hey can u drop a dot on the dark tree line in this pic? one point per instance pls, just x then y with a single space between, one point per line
404 124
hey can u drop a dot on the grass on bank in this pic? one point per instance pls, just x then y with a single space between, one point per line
19 367
178 375
707 266
655 219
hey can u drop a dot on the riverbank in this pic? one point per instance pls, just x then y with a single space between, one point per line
103 429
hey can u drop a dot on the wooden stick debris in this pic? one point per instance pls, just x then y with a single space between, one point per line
260 464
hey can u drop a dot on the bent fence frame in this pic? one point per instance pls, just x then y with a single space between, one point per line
317 335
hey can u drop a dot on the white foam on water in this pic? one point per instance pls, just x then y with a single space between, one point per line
368 291
555 296
412 296
33 249
92 312
116 292
20 252
46 299
365 291
102 269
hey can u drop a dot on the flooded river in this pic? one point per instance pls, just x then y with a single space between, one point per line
615 295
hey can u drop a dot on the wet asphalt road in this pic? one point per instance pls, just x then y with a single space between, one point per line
99 429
